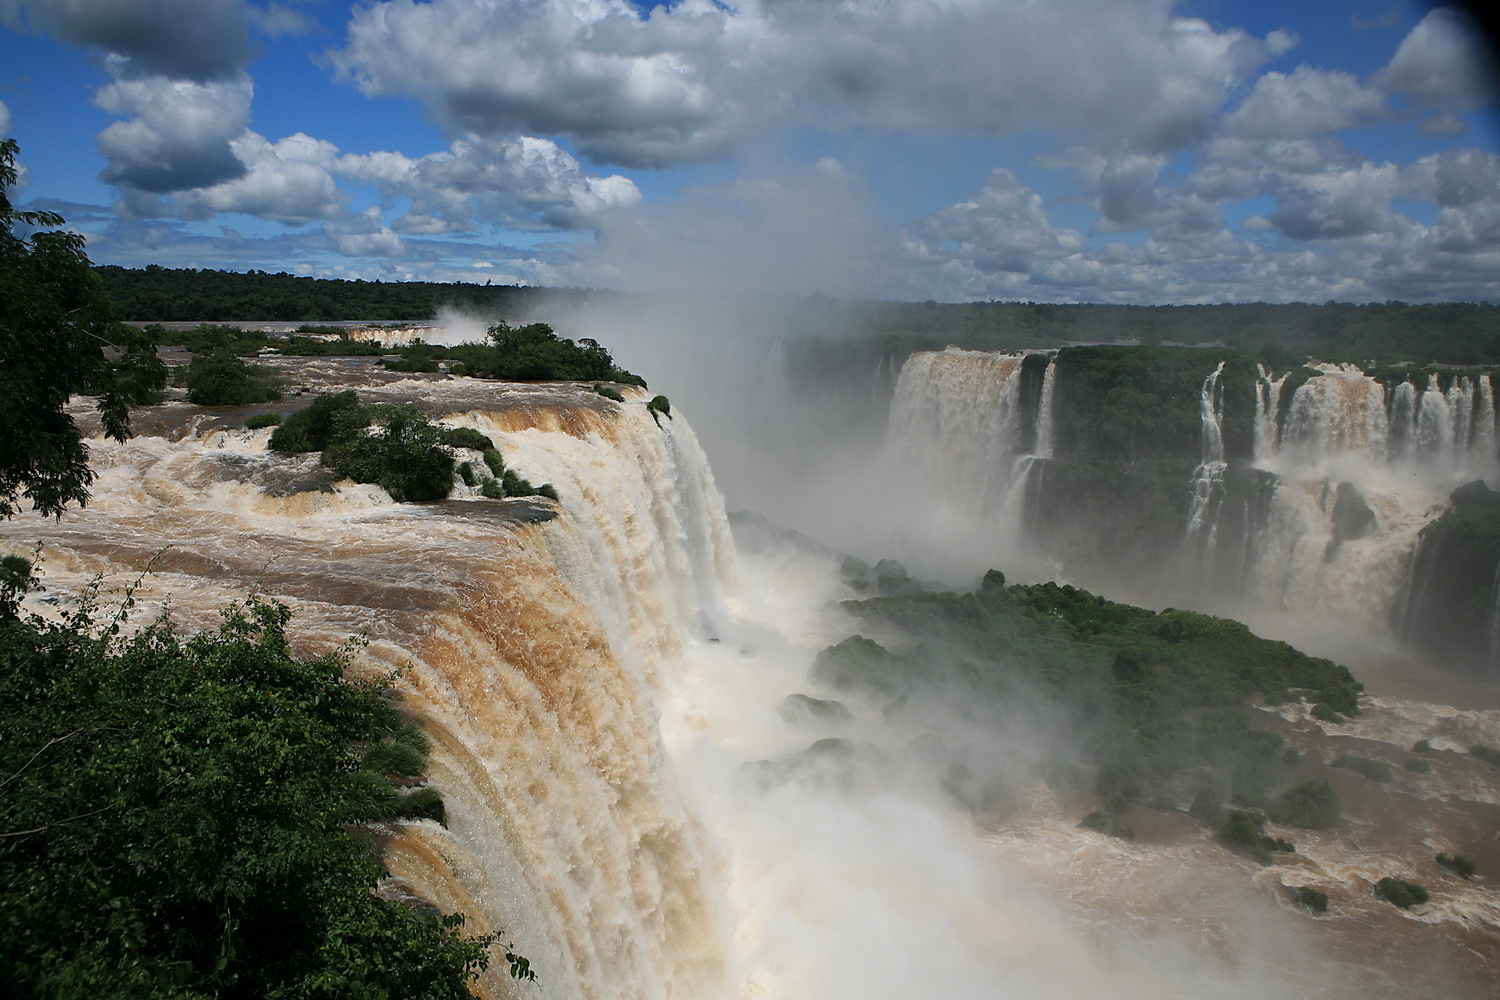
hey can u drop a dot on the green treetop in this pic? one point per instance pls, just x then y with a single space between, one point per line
58 336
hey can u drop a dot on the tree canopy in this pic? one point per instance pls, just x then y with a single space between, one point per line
180 818
58 337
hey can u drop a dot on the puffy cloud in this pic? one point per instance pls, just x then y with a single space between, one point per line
1003 229
1333 235
521 180
198 40
689 81
278 19
179 81
178 132
1304 104
1337 203
364 236
1440 65
4 119
523 183
288 181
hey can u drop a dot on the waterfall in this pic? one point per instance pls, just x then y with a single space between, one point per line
530 650
1361 471
1267 412
1208 477
961 423
957 422
1045 420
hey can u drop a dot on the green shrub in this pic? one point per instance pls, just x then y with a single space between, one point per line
313 427
1416 764
546 490
467 437
422 803
260 420
1399 893
209 338
1244 833
1458 865
1323 713
191 810
515 485
466 473
1311 899
494 461
1106 823
608 393
1487 754
534 353
491 489
409 364
222 379
1312 805
1372 769
659 407
406 456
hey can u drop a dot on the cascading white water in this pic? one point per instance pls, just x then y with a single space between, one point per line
1046 422
961 425
1202 530
957 421
1402 452
594 686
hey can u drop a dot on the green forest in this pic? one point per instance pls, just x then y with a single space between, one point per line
1449 333
1154 702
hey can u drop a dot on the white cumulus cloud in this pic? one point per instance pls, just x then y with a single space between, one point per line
694 80
1440 65
288 181
1305 104
177 134
524 181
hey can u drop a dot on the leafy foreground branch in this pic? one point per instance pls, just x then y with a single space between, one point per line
185 817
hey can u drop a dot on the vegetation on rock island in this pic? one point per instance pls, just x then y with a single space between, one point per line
1400 893
398 448
221 379
1156 702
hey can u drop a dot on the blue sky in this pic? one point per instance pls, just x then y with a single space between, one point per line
1079 150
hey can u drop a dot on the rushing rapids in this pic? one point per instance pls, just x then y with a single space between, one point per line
597 676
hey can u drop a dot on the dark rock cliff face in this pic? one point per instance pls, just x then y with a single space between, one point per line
1453 591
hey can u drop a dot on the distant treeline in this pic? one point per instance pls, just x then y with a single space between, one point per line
1447 333
160 294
